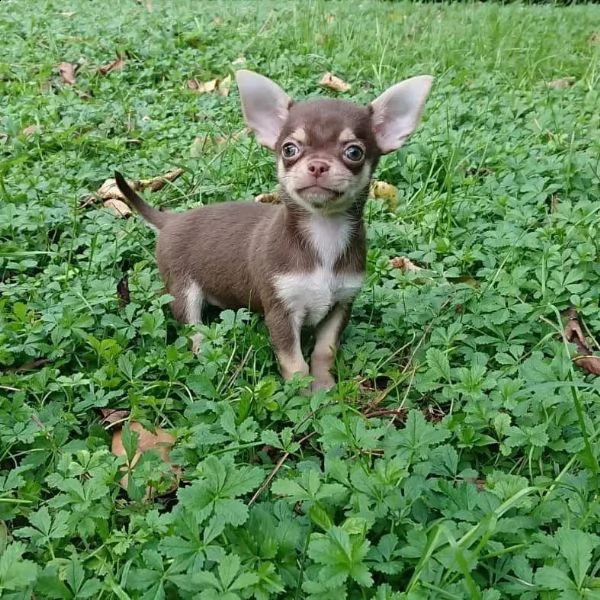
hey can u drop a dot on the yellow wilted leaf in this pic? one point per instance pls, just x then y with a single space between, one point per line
160 440
329 80
404 264
561 84
218 86
268 198
385 191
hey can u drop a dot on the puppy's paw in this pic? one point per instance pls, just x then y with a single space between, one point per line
197 343
323 383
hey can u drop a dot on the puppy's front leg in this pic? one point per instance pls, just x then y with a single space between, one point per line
326 344
285 337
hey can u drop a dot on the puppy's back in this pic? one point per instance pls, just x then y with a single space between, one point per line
210 246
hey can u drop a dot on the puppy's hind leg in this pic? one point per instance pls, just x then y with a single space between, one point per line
187 308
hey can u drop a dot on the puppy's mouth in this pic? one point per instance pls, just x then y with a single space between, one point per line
319 194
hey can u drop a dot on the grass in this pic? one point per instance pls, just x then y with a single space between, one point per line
458 456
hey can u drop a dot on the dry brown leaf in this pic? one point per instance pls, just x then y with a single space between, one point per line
115 65
109 190
112 415
32 365
574 334
114 199
329 80
160 441
117 207
123 291
83 95
159 182
385 191
561 84
218 86
67 72
591 364
404 264
595 38
31 130
204 144
467 279
268 198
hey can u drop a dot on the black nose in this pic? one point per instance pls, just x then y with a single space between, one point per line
317 167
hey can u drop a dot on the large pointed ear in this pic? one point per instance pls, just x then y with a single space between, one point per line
264 104
397 111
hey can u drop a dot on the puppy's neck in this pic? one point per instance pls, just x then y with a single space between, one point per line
329 236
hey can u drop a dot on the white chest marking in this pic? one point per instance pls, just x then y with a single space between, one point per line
329 237
310 296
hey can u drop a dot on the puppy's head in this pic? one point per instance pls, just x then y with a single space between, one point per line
327 149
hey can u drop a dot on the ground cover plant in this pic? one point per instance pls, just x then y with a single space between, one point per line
458 457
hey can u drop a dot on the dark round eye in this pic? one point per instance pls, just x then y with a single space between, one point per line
289 150
354 153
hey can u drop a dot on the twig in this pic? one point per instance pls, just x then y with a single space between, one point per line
267 481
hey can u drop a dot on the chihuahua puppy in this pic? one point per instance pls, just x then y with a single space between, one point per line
301 262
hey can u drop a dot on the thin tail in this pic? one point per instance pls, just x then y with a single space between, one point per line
152 215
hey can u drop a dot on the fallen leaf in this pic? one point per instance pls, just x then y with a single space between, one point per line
123 290
404 264
32 365
109 190
268 198
385 191
240 60
160 441
116 202
115 65
591 364
224 86
67 72
595 38
574 334
3 138
330 18
112 415
83 94
467 279
561 84
203 144
159 182
329 80
31 130
117 207
68 13
218 86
